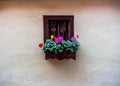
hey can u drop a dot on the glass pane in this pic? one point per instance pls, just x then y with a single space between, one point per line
52 28
58 28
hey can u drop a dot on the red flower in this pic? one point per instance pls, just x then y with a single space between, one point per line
40 45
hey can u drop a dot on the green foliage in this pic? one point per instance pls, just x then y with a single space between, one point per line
54 47
70 45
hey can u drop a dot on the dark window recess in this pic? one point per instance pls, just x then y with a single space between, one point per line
58 26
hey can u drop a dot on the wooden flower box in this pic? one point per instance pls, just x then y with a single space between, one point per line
60 56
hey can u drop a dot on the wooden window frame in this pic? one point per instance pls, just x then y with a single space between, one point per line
69 18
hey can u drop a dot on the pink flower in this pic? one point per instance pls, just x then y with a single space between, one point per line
58 39
77 35
73 38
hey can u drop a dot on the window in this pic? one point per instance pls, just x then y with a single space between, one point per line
58 25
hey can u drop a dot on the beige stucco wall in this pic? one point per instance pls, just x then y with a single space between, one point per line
22 62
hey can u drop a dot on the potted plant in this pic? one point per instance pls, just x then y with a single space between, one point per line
60 48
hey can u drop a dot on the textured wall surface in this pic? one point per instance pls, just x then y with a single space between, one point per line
21 29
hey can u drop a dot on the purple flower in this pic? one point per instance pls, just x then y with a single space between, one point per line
58 39
73 38
77 36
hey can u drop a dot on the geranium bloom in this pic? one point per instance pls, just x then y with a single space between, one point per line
58 39
40 45
73 38
77 36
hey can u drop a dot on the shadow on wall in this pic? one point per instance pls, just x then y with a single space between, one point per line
56 4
